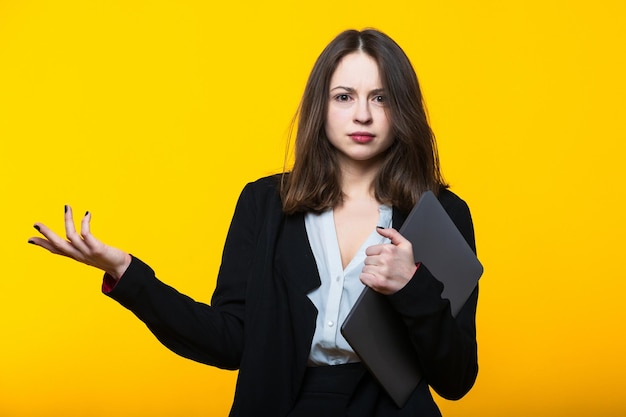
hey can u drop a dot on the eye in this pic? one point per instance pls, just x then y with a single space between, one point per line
380 99
342 97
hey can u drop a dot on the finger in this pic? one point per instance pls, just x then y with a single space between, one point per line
372 270
43 243
70 232
366 277
85 223
375 282
47 232
85 231
393 235
370 261
70 229
374 250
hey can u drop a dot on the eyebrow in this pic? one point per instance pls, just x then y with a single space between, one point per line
352 90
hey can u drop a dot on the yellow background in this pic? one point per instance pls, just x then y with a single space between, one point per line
154 114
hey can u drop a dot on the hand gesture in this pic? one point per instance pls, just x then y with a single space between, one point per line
84 248
389 267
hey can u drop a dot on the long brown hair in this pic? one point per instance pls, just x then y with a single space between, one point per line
411 164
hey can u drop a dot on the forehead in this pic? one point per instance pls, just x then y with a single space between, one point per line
356 69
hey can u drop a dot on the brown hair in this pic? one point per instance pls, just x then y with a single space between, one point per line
411 164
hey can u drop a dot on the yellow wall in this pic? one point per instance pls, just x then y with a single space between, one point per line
154 114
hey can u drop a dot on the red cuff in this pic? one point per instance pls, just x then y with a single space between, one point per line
108 283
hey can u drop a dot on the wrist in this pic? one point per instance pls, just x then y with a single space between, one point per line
118 271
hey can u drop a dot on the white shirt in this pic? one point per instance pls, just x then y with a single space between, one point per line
340 287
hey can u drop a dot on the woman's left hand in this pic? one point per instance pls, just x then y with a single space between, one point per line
389 267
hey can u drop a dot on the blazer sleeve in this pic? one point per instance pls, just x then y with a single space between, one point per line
446 345
211 334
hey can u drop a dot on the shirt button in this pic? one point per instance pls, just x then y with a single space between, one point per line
331 323
338 278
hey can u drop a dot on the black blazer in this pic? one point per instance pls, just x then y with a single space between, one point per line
261 321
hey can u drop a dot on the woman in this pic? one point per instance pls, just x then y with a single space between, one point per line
302 245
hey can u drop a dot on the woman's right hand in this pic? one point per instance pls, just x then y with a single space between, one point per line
84 248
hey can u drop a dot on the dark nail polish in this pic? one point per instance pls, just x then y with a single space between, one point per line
379 227
65 208
86 213
36 227
31 242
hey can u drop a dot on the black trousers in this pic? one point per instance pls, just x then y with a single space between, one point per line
326 390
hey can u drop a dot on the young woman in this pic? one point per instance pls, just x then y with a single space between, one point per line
302 245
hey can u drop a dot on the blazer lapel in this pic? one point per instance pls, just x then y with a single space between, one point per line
294 256
296 272
397 218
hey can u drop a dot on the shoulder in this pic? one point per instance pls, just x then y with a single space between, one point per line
262 193
267 184
258 208
452 203
264 187
450 199
459 212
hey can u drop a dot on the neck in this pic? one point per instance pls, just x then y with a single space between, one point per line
357 180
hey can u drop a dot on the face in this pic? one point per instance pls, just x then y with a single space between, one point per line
356 123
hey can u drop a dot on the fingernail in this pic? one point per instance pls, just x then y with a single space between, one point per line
36 227
379 227
31 242
86 213
65 208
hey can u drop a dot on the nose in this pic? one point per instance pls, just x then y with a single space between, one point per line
362 112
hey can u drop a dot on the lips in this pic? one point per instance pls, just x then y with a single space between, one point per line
362 137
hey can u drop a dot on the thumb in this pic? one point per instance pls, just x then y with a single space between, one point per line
393 235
